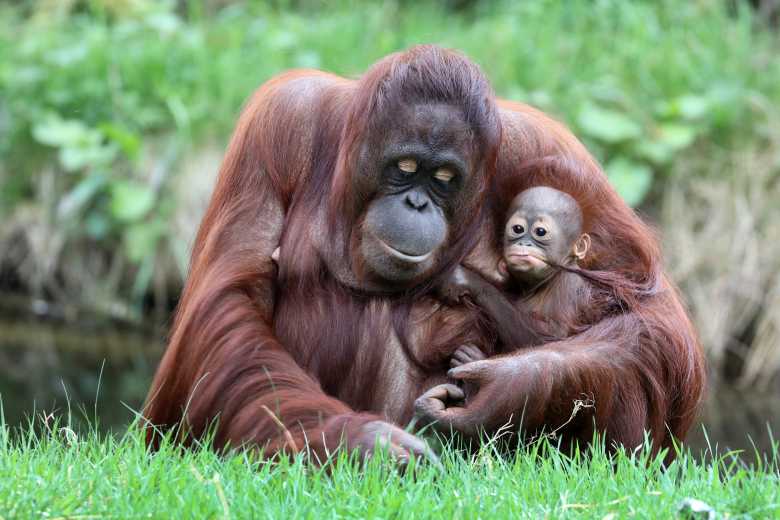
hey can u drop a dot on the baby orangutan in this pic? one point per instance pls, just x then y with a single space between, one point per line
542 243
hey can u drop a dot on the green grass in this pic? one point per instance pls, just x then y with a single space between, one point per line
57 475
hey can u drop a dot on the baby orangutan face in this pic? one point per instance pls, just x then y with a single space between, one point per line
544 230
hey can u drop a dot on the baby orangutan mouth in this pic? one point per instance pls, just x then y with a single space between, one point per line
521 259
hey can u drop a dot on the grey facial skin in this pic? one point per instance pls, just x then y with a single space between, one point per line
544 229
423 167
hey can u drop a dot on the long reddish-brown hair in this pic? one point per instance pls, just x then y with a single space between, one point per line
625 260
424 74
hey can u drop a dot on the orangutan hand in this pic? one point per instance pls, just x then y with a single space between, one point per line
494 393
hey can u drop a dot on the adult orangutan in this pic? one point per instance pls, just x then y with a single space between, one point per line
373 188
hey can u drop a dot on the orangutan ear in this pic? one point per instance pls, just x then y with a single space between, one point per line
502 269
581 246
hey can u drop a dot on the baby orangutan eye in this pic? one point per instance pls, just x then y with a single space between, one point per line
443 175
517 229
407 165
540 231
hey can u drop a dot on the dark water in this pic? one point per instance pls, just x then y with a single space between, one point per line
101 372
78 372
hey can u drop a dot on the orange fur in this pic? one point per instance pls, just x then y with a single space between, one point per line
323 353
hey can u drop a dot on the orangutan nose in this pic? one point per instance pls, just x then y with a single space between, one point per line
416 200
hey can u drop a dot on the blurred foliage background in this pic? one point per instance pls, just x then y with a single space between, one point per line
114 115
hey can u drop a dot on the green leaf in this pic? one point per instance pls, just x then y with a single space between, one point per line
165 23
282 40
688 107
607 125
540 98
141 240
74 158
79 145
130 201
692 107
676 137
666 141
143 277
128 142
54 131
631 180
68 56
97 225
76 199
656 152
308 59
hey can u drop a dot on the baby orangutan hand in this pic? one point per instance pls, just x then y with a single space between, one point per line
466 354
460 282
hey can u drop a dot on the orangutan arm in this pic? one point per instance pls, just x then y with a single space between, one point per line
223 367
634 374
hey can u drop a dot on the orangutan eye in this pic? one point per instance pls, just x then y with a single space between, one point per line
540 231
407 165
443 175
517 229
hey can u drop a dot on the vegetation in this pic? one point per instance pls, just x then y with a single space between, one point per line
113 115
58 474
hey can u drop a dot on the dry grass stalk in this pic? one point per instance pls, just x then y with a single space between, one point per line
722 242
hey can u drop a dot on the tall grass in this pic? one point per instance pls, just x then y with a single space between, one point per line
60 474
